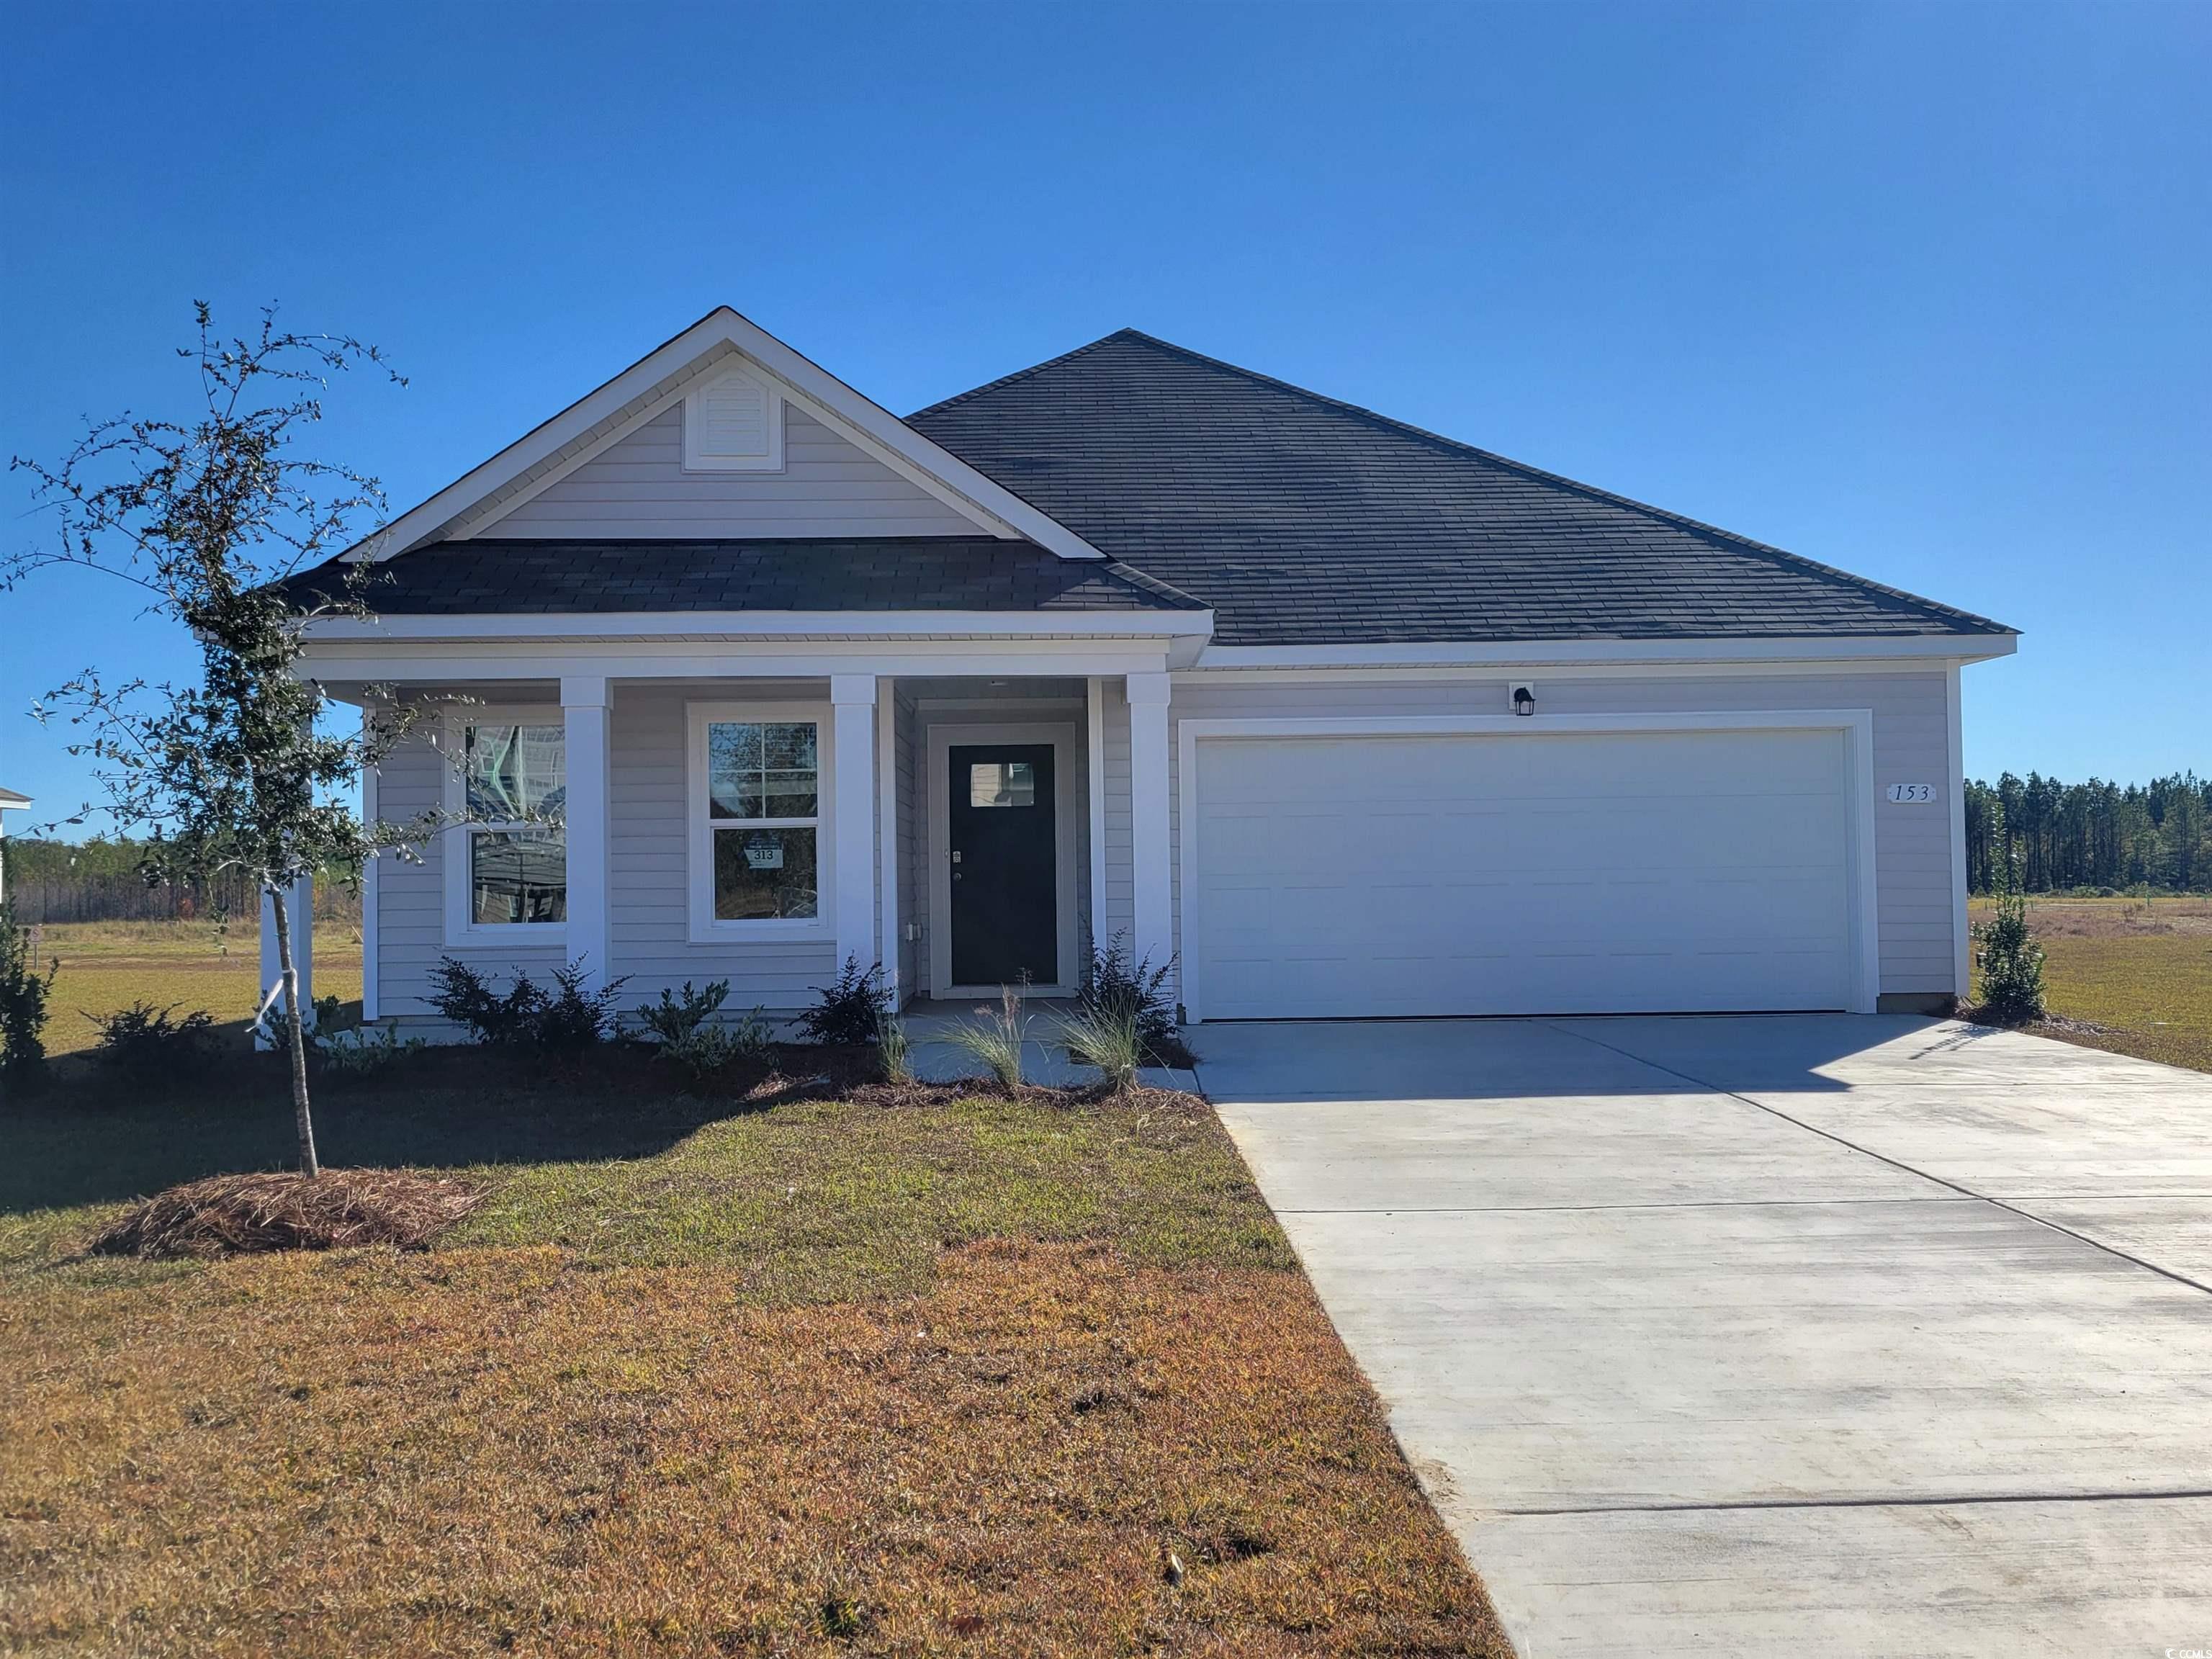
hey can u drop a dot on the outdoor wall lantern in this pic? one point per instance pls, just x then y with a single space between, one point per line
1524 701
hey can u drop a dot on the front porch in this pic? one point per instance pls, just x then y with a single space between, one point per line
962 830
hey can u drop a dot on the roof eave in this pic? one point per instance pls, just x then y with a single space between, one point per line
482 627
1932 649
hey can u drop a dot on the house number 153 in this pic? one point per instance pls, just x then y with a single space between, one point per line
1912 795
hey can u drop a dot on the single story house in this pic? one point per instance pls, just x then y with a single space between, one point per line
1341 717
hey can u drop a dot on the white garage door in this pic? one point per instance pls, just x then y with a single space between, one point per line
1560 874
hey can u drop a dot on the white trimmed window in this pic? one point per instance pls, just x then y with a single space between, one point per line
758 804
733 422
507 868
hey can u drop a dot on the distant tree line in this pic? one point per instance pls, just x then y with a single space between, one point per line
2061 835
102 880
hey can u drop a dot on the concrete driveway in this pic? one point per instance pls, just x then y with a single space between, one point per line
1807 1335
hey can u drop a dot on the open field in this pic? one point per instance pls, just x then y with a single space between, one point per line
2139 968
107 965
902 1373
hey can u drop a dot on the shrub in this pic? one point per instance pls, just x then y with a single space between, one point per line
848 1011
686 1038
674 1018
325 1018
144 1044
466 997
2012 962
24 992
566 1020
571 1018
892 1055
996 1037
1115 990
360 1053
1106 1038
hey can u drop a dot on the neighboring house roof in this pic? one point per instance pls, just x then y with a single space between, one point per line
1301 519
889 573
9 798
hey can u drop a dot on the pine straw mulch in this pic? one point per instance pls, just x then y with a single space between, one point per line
1054 1451
247 1214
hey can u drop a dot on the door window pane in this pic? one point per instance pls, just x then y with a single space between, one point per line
515 773
518 876
764 874
762 770
1002 783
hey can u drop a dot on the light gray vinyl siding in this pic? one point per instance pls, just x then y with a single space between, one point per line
650 846
411 897
1912 745
650 897
649 849
649 859
638 487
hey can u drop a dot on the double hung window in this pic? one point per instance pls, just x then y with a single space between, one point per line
514 856
756 836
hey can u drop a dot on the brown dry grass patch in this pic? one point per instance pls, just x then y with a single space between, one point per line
247 1214
507 1450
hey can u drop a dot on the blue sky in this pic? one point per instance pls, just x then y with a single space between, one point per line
1925 292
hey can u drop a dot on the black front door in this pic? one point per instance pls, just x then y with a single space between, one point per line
1005 926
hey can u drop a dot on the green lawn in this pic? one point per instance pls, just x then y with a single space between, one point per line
106 966
2139 969
812 1200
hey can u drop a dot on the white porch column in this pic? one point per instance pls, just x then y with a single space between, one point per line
585 755
300 912
1154 913
853 710
1094 700
887 837
371 884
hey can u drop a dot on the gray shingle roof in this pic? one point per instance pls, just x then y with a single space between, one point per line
1303 520
888 573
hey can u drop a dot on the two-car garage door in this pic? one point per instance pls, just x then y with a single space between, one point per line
1503 873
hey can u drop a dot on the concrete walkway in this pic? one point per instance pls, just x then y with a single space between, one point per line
1807 1335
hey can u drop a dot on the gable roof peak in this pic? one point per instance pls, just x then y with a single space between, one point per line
648 385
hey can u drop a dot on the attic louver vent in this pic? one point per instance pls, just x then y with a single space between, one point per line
733 422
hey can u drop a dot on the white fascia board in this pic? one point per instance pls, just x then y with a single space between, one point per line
771 624
1530 654
348 672
884 432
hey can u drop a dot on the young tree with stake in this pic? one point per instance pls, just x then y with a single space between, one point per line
206 516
